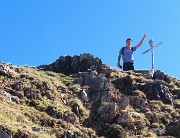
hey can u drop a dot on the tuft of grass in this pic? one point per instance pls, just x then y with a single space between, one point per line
167 108
155 125
162 126
176 93
75 88
140 79
139 94
147 133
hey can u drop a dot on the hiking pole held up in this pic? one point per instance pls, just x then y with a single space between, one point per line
152 50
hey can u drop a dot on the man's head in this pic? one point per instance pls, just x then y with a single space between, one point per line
128 41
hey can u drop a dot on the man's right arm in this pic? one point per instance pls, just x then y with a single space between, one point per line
119 57
140 43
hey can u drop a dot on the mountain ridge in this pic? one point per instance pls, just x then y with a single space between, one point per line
80 96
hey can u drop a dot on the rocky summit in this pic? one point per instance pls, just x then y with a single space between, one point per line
80 97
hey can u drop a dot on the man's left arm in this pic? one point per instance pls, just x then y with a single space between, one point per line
140 43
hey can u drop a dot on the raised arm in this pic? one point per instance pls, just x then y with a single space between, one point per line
140 43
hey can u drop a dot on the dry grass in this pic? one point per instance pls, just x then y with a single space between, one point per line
21 119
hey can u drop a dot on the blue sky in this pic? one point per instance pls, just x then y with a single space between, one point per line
36 32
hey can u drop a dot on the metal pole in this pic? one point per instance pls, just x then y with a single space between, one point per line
152 59
151 73
151 46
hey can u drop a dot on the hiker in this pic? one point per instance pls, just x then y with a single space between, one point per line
127 54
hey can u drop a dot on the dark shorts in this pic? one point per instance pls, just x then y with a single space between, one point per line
128 66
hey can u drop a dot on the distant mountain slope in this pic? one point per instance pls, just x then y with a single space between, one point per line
80 96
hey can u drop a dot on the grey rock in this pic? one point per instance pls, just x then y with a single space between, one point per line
124 119
4 133
84 96
63 98
124 103
84 62
161 76
53 112
107 112
119 83
70 117
36 129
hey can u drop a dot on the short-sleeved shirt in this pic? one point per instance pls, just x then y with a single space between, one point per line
127 54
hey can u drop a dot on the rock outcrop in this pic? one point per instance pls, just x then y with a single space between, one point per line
95 100
74 64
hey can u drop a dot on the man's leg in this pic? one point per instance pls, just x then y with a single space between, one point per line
125 67
128 66
131 66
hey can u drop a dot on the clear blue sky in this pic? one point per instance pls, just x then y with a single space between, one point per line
36 32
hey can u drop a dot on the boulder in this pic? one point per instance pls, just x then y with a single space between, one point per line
116 131
70 65
4 133
108 111
124 103
70 117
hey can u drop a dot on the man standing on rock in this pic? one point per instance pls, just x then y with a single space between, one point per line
127 54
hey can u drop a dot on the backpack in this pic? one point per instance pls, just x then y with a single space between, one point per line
123 50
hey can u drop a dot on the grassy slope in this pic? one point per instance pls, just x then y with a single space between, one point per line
22 119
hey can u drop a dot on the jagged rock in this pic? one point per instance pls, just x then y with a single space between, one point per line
75 64
128 82
84 96
4 133
119 83
5 69
161 76
48 95
70 134
6 94
106 70
174 129
156 91
107 112
92 80
53 112
158 131
63 98
37 84
116 131
102 104
18 86
140 86
70 117
124 103
15 99
11 98
22 134
29 93
159 92
46 85
99 87
106 96
124 119
36 129
139 124
75 109
79 81
95 96
139 102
